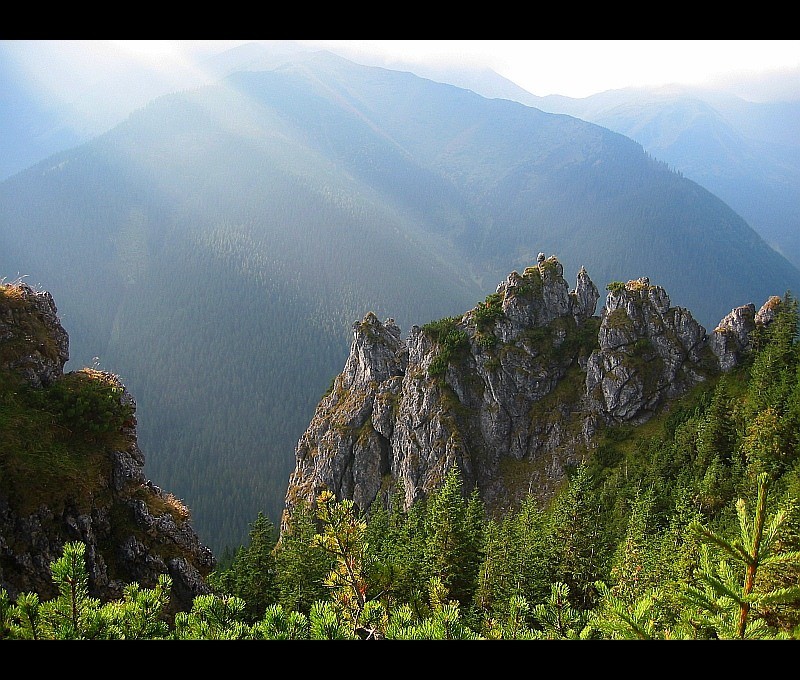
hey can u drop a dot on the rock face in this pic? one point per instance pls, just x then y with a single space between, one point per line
512 392
32 340
731 338
648 352
133 530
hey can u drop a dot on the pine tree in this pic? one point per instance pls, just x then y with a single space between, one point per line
343 537
141 614
300 566
454 540
635 570
411 568
74 615
514 623
252 573
517 561
557 618
213 618
444 621
575 537
616 618
772 373
279 624
396 538
726 599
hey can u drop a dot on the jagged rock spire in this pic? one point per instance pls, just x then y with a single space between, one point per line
497 391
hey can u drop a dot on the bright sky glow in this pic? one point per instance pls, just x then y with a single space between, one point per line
579 68
575 68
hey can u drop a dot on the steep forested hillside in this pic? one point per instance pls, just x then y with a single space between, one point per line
743 148
746 153
685 527
215 249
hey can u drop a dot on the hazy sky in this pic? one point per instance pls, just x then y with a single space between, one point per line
579 68
575 68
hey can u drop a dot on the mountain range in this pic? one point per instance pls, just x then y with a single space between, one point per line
745 152
740 143
215 248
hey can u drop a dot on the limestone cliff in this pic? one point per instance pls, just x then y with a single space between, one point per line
512 392
71 470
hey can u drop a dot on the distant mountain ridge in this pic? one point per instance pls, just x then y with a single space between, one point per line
745 152
215 248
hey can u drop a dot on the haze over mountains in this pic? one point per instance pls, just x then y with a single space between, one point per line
745 151
741 143
215 247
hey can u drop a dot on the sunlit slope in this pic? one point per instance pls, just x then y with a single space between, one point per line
535 181
218 269
216 248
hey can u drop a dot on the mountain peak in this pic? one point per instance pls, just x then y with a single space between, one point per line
513 392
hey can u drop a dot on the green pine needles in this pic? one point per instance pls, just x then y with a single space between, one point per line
729 601
729 596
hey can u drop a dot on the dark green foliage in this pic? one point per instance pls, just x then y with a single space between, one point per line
771 405
251 575
397 539
616 287
727 594
488 311
450 340
74 615
454 538
54 440
650 598
441 328
85 401
301 567
578 546
517 561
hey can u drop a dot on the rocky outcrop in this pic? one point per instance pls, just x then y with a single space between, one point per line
648 353
32 341
512 392
497 385
731 338
134 531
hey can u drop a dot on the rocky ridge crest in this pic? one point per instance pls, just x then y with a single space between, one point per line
512 392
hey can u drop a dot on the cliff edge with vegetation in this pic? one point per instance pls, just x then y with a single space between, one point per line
71 470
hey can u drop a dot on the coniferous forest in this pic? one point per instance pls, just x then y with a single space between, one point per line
686 527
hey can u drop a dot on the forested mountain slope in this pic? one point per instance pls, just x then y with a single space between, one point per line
747 153
742 147
215 249
683 526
